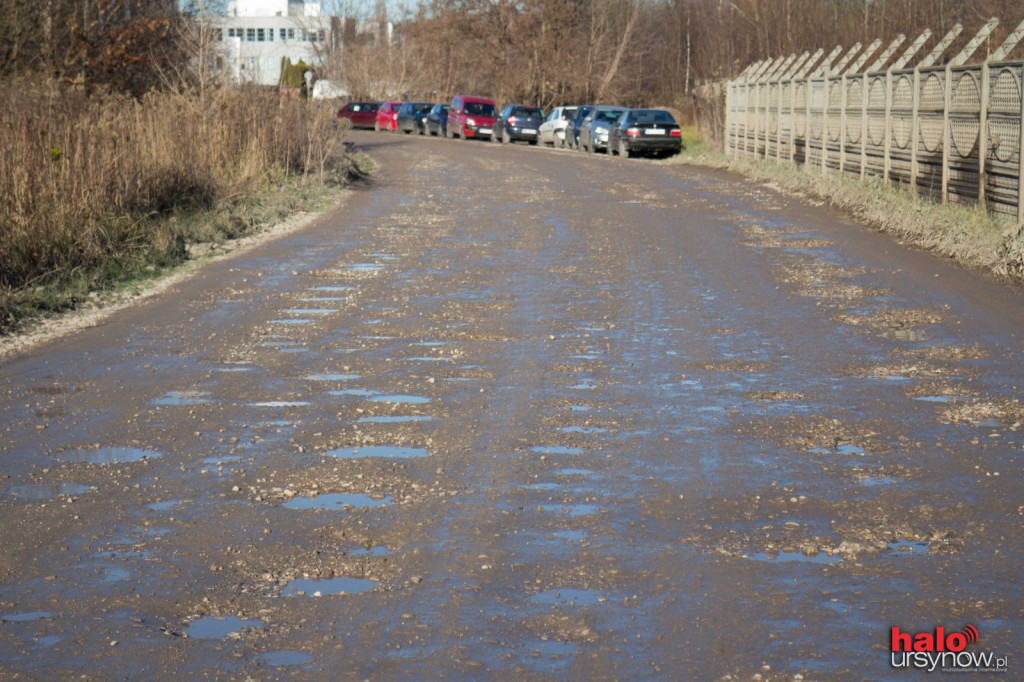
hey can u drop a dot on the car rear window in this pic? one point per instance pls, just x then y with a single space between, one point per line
651 116
533 112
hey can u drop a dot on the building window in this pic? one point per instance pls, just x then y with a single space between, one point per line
250 35
270 34
261 36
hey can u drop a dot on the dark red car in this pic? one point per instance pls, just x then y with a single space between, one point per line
358 114
471 117
387 116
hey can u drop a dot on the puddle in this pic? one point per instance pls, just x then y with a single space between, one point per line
218 627
107 455
571 535
327 586
378 550
544 486
25 617
47 641
337 501
786 557
905 335
331 377
293 320
556 450
430 344
334 287
580 408
394 419
909 546
280 403
571 597
365 267
285 658
401 399
311 311
938 398
584 429
165 506
386 451
183 398
846 449
362 392
230 459
323 299
47 491
583 386
573 472
572 510
425 358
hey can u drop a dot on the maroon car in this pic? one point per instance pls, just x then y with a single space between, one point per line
359 114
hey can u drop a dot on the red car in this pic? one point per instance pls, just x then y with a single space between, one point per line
387 116
358 114
471 117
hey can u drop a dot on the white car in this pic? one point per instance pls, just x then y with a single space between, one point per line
552 130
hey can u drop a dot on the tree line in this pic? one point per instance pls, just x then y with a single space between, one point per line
540 51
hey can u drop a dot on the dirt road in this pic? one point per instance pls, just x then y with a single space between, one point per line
524 414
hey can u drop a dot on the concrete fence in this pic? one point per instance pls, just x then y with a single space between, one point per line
949 132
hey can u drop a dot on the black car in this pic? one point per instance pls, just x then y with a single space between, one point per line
411 117
437 120
572 131
517 122
645 131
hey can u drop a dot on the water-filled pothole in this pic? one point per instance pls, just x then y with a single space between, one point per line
25 617
386 451
556 450
844 449
219 627
115 455
376 550
401 399
46 491
293 320
395 419
183 398
334 287
311 311
584 429
277 659
338 501
361 392
327 586
785 557
568 597
280 403
572 510
331 377
938 398
909 546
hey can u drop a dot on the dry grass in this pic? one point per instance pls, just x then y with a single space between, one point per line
967 234
93 190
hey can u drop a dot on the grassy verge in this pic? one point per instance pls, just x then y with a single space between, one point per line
99 192
966 234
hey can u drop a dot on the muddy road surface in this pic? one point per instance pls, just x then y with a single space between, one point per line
522 414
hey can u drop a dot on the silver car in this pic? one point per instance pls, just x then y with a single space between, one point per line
594 129
552 130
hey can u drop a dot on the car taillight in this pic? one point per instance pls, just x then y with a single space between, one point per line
675 133
633 132
511 120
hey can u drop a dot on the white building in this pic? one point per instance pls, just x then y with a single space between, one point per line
259 34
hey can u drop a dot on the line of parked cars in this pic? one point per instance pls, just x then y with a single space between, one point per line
588 128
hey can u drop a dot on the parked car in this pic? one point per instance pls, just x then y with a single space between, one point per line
471 116
572 130
358 114
645 131
386 116
411 117
517 122
552 130
437 120
594 129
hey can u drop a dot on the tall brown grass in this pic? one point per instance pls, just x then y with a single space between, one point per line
87 183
